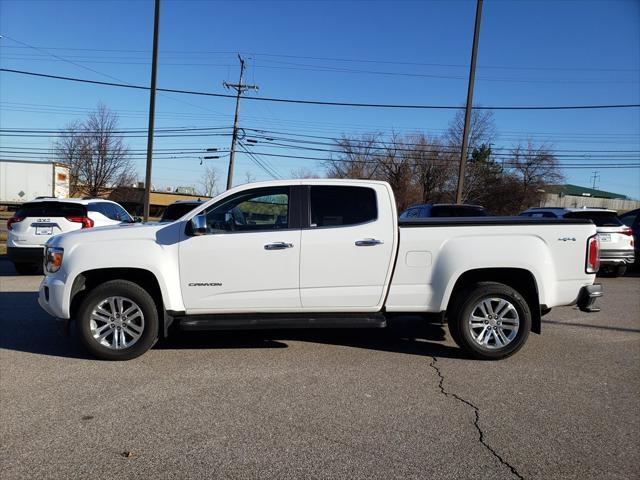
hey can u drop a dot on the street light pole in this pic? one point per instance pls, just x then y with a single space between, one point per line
152 111
469 109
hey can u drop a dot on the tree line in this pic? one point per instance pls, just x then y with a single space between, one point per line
420 168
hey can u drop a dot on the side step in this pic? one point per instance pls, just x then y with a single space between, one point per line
256 321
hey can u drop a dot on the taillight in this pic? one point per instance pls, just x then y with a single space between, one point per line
627 231
593 255
13 220
85 221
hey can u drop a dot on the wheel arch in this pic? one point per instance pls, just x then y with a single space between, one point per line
89 279
519 279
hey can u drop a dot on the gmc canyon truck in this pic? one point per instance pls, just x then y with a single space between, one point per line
317 253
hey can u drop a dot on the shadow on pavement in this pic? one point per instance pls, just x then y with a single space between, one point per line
25 327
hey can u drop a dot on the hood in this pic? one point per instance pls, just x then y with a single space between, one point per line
118 233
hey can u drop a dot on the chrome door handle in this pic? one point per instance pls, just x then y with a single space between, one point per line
368 242
278 246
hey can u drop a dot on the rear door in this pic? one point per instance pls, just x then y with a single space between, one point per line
347 248
42 220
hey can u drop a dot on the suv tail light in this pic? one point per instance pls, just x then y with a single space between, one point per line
85 221
593 255
13 220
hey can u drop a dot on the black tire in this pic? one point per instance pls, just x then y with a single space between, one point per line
26 268
620 271
129 290
463 306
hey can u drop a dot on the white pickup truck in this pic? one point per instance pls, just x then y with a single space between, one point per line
317 253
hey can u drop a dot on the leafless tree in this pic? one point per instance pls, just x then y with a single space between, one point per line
97 157
432 167
248 176
357 157
303 172
208 184
482 129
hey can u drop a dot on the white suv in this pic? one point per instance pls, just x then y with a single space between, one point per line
616 239
37 221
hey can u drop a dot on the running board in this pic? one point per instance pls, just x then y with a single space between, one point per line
248 321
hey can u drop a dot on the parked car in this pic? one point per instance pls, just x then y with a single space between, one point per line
616 239
178 209
632 220
37 221
443 210
317 253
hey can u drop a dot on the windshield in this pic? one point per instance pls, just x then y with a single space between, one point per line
601 219
177 210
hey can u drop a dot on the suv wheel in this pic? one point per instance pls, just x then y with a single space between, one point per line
118 321
490 320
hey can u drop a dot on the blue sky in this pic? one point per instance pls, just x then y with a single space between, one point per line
531 53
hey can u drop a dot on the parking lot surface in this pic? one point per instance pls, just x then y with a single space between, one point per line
399 403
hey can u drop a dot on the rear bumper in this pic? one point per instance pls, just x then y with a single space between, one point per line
617 257
25 254
588 296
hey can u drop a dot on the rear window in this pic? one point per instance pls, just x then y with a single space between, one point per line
457 211
177 210
342 206
51 209
601 219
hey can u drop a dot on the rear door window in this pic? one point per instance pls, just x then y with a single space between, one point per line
341 206
601 219
52 209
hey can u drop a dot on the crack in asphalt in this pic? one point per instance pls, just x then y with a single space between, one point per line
476 422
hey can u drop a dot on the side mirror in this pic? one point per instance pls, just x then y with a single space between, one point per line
199 225
137 220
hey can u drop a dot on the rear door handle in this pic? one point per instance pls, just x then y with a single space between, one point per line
368 242
278 246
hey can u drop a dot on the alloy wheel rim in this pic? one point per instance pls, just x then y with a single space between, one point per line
493 323
116 323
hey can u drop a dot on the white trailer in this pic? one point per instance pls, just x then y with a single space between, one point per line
24 180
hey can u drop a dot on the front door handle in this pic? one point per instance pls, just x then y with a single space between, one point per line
368 242
278 246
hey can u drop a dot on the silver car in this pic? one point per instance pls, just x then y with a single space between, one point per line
616 238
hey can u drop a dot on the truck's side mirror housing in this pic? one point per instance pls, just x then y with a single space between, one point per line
199 225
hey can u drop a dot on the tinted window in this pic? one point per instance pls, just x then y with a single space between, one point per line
254 210
601 219
457 211
51 209
121 213
539 214
338 206
629 219
100 208
177 210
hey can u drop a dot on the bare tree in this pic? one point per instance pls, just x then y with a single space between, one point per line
97 157
431 167
534 167
249 178
357 157
208 184
303 172
482 129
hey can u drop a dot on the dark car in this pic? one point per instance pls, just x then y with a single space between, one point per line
178 209
632 220
443 210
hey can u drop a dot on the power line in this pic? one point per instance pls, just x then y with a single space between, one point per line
325 103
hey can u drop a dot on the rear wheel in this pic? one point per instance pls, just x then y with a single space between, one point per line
118 321
490 320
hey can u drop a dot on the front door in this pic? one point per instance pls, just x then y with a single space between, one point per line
248 259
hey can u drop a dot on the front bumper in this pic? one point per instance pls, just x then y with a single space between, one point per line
617 257
51 297
588 296
33 255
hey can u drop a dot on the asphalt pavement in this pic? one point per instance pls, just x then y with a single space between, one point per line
399 403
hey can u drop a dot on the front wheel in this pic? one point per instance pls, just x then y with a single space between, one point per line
118 321
490 320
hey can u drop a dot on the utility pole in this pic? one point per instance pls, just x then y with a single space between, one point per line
595 177
469 108
152 111
240 88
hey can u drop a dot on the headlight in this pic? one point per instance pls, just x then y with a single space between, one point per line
53 259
